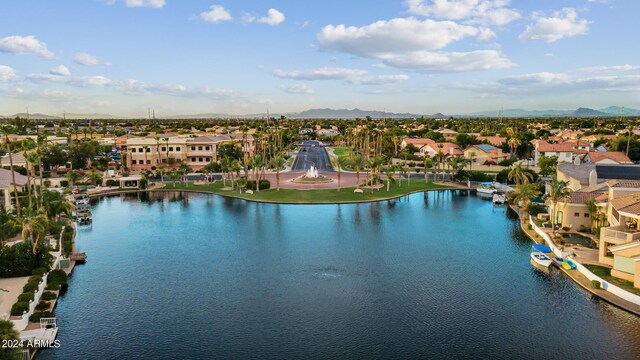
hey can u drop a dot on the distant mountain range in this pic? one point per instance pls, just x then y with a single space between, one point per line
358 113
580 112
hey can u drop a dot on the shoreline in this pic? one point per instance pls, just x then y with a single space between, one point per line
585 283
448 187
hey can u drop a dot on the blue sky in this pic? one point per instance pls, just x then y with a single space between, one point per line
244 56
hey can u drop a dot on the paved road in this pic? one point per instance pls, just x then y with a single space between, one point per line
311 153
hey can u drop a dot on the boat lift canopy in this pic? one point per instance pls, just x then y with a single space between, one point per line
542 248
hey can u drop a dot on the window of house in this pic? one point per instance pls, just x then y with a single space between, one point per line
200 160
178 148
164 148
586 215
133 162
208 148
576 214
170 148
148 149
148 162
133 149
200 148
193 148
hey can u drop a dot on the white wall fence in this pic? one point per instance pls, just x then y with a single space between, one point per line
21 324
605 285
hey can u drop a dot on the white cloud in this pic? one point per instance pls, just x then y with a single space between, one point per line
216 14
535 78
273 18
324 73
25 45
488 12
7 73
378 80
392 36
60 70
561 24
145 3
625 67
297 89
445 62
87 59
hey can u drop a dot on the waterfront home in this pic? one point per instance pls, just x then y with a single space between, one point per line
428 147
623 215
327 133
482 153
606 157
626 262
573 212
577 176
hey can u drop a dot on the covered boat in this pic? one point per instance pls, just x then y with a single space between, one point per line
538 254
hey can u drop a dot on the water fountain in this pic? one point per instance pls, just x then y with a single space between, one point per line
311 176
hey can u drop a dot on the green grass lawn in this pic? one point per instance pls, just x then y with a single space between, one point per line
341 151
313 196
605 273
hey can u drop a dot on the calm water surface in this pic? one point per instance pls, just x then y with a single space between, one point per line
443 276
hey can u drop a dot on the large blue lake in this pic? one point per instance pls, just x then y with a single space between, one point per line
441 276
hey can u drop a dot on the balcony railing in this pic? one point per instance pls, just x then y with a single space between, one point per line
620 234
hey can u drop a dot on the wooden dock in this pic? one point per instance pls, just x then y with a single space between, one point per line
79 257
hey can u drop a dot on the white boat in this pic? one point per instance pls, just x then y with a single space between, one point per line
538 256
488 189
499 199
81 200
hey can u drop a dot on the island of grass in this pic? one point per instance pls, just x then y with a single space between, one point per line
325 196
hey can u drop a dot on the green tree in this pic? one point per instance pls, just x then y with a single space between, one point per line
95 178
277 162
522 196
73 176
7 335
7 130
519 175
548 165
358 163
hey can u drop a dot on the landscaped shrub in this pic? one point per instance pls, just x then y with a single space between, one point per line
19 308
47 183
113 182
42 305
535 209
530 227
25 297
53 286
35 279
507 162
48 295
58 276
39 315
582 228
64 183
566 228
596 284
473 176
264 184
39 271
30 287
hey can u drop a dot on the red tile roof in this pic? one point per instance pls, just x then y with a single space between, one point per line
617 156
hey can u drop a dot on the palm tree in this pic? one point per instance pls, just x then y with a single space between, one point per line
428 163
225 163
209 168
339 163
358 163
522 195
277 162
6 130
32 159
11 336
472 158
456 164
95 178
558 191
519 175
73 176
596 216
174 175
389 172
159 159
184 170
162 168
34 229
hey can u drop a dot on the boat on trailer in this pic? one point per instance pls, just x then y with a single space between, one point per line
499 199
538 255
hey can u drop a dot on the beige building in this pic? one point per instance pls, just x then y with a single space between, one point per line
197 152
573 212
482 153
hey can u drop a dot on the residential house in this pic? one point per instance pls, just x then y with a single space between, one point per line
563 151
483 153
327 133
495 140
7 180
606 157
197 152
573 212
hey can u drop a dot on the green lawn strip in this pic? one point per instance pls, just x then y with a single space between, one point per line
312 196
605 273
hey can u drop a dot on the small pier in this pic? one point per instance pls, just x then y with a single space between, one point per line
79 257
